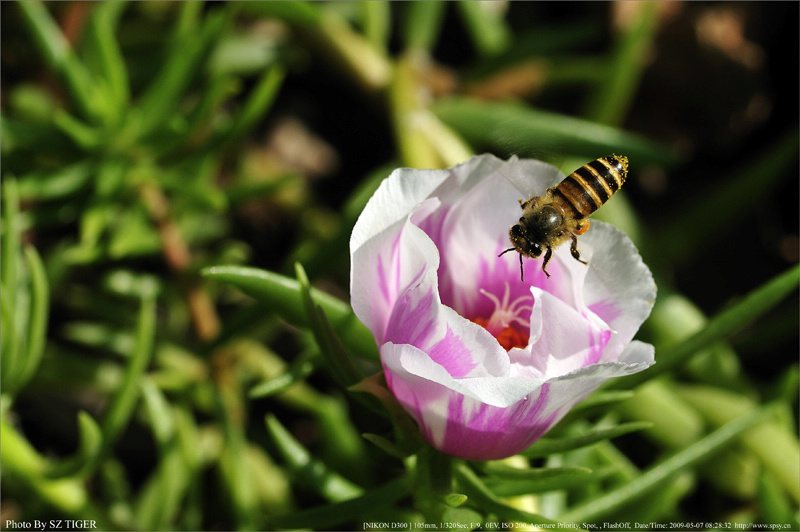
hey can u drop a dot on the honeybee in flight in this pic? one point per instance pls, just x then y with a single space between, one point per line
560 214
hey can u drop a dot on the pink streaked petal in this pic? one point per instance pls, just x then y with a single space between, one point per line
418 321
483 432
460 347
482 348
386 265
457 417
414 318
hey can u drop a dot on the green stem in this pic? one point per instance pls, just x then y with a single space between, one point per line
433 482
470 484
408 115
616 93
59 55
11 245
365 62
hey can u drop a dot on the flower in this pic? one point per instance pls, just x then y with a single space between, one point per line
484 362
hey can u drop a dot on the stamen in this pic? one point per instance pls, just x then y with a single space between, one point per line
507 323
505 314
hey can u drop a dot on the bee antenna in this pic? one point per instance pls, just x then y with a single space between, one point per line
506 251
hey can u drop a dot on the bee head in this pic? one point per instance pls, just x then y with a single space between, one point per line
521 242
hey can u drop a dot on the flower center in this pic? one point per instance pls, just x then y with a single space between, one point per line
506 322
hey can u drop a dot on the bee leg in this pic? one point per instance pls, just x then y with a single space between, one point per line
547 257
582 228
573 248
521 271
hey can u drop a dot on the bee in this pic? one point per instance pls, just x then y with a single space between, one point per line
560 214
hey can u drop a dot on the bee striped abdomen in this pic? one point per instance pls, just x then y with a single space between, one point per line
589 187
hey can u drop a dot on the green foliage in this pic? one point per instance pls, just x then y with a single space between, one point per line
26 301
153 378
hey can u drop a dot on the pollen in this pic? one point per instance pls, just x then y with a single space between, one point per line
508 321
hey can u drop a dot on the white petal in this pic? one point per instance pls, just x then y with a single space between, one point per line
395 198
414 366
619 286
530 176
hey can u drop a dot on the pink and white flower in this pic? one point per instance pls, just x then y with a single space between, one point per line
484 362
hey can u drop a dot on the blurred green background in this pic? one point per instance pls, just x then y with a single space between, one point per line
144 143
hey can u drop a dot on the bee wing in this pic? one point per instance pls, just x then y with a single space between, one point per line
530 176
